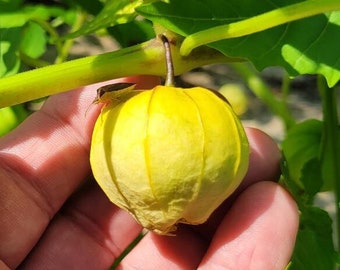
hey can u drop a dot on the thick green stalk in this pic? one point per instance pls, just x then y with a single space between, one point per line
259 23
262 91
143 59
330 152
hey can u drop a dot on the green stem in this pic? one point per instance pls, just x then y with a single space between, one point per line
262 91
32 62
67 44
52 32
142 59
285 87
258 23
330 153
127 250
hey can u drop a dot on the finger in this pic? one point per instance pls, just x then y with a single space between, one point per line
182 251
89 232
264 165
258 232
265 157
42 162
190 242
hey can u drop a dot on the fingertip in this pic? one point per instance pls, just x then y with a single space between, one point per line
264 160
183 250
264 165
258 232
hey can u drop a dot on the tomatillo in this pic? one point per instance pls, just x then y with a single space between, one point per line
169 155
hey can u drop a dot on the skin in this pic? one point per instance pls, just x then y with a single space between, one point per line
54 216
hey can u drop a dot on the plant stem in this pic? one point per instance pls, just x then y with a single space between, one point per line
32 62
169 80
52 32
262 91
127 250
330 144
67 44
142 59
258 23
285 87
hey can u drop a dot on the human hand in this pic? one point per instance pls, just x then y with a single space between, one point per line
54 216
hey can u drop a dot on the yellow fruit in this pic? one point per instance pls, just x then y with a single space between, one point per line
169 155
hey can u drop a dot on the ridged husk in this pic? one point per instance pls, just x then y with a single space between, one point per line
169 155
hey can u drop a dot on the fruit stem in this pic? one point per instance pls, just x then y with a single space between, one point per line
169 80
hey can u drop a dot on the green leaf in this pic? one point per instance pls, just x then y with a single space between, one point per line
92 7
9 5
11 117
301 47
33 42
190 16
301 145
20 17
114 12
132 33
311 178
8 120
314 249
11 20
291 185
337 259
9 44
